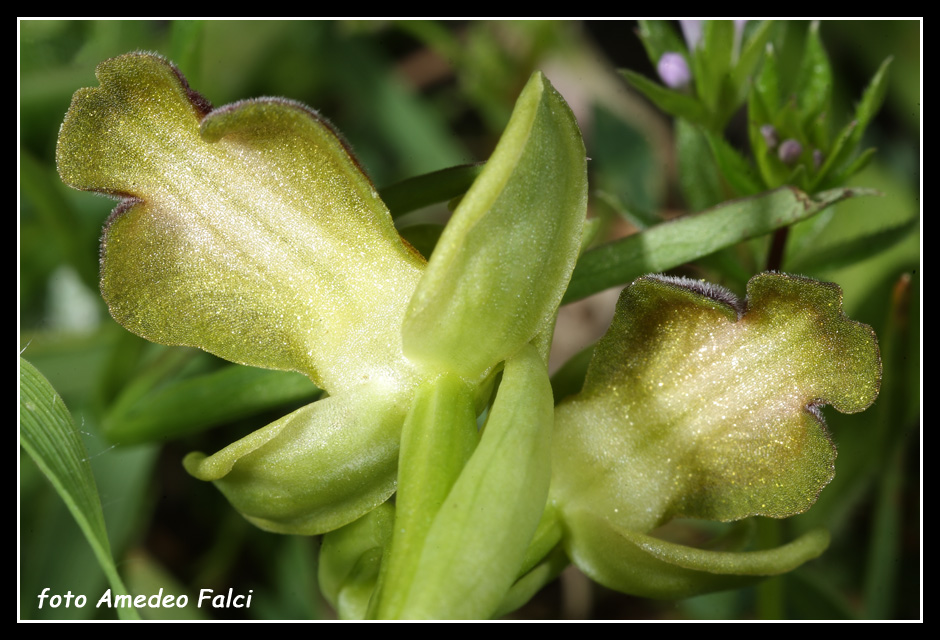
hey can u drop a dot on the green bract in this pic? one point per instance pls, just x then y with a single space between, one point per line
250 231
509 249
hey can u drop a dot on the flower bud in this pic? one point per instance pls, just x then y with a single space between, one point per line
674 70
789 151
770 135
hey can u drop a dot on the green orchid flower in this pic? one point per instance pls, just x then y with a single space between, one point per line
251 231
697 405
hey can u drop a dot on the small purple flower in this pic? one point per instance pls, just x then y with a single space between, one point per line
790 151
769 132
817 159
674 70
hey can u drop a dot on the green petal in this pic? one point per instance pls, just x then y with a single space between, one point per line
438 437
349 561
249 231
690 410
652 568
503 262
314 470
475 548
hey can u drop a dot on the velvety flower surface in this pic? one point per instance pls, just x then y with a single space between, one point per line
699 405
248 231
251 231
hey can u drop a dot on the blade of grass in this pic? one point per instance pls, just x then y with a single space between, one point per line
885 549
49 436
678 104
855 249
673 243
187 406
429 188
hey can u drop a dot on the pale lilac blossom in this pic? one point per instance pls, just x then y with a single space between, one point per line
790 151
769 132
674 70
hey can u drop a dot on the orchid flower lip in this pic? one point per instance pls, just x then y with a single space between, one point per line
707 289
300 106
704 362
199 101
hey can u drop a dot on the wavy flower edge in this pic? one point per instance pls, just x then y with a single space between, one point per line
144 136
617 477
709 407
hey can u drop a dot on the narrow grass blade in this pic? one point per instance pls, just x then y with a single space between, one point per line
49 436
671 244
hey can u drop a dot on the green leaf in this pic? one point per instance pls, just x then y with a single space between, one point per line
851 135
671 244
698 405
856 249
188 406
733 167
659 37
713 74
677 104
253 222
860 162
767 84
814 82
698 173
837 153
750 55
49 436
430 188
626 168
872 99
502 264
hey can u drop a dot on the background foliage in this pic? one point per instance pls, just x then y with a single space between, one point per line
414 97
